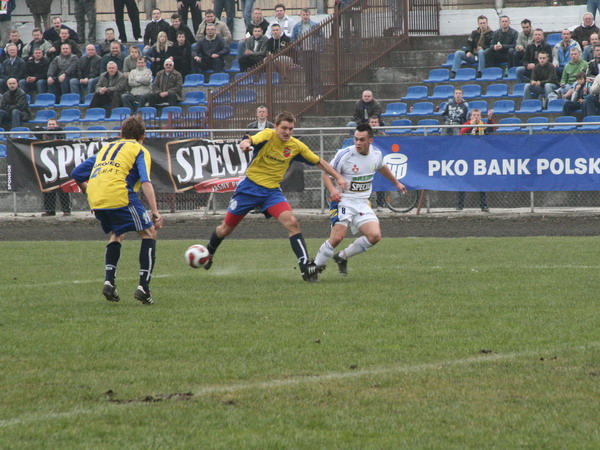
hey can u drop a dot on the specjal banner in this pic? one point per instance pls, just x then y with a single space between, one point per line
548 162
177 165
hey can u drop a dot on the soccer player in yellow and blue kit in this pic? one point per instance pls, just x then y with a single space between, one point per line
112 178
274 150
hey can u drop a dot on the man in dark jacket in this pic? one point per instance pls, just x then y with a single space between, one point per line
530 58
366 107
455 112
14 107
11 67
88 73
36 73
61 70
155 26
210 51
178 26
111 86
115 55
253 50
167 87
502 47
583 32
63 39
543 78
52 34
474 51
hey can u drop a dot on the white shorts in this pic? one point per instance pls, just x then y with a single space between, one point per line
352 213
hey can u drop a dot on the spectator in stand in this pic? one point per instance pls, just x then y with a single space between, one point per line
474 51
261 121
36 73
140 83
176 27
14 107
6 20
220 27
277 42
583 32
88 73
502 47
61 70
561 53
195 8
134 16
455 112
64 39
111 86
592 101
252 51
309 50
531 55
156 26
572 68
364 108
286 24
181 54
594 64
159 53
109 38
11 67
52 34
543 78
86 9
167 87
524 38
37 42
210 51
476 131
257 21
40 9
50 196
588 52
15 39
130 61
575 96
229 7
115 55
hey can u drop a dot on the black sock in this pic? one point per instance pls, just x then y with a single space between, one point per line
300 249
113 252
147 258
214 243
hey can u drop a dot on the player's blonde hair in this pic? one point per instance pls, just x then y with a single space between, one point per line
285 116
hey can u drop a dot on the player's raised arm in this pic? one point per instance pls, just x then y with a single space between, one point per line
246 145
340 180
386 172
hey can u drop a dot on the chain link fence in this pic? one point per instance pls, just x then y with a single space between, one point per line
325 143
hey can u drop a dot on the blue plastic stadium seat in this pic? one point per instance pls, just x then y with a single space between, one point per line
438 75
147 112
421 129
496 91
119 114
509 120
504 107
471 91
218 79
491 74
2 151
512 74
235 67
518 90
194 111
465 74
68 101
449 61
479 104
395 109
421 109
70 115
72 132
194 98
233 48
23 133
553 39
218 98
88 100
247 78
555 105
441 108
193 80
275 79
542 121
530 107
399 123
568 121
42 116
245 96
44 101
442 92
174 110
222 112
94 115
416 93
590 127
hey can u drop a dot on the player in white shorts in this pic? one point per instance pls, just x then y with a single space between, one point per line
357 164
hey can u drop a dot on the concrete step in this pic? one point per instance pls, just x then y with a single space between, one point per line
449 43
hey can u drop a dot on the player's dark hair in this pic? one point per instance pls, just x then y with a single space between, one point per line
285 116
365 127
133 128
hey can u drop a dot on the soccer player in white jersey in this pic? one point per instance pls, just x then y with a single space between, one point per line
352 208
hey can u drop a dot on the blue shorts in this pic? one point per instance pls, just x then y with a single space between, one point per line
248 195
133 217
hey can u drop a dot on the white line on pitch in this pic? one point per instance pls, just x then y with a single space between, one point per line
308 379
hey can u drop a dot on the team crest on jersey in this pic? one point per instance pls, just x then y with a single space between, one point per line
354 168
287 152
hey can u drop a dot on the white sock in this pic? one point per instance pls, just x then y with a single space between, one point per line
324 254
360 245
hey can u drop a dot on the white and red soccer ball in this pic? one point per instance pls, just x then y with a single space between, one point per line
197 255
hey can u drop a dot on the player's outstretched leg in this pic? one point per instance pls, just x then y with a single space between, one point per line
147 260
221 232
113 253
360 245
324 254
310 271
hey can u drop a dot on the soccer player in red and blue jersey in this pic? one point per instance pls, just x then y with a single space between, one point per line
112 178
274 150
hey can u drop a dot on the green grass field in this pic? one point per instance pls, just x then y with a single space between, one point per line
428 343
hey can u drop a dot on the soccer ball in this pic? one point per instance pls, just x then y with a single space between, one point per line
196 256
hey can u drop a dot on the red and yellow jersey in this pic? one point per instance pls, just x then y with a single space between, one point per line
272 158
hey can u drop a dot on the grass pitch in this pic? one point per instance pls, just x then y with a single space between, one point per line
430 343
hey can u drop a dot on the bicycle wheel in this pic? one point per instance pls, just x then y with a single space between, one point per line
400 203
